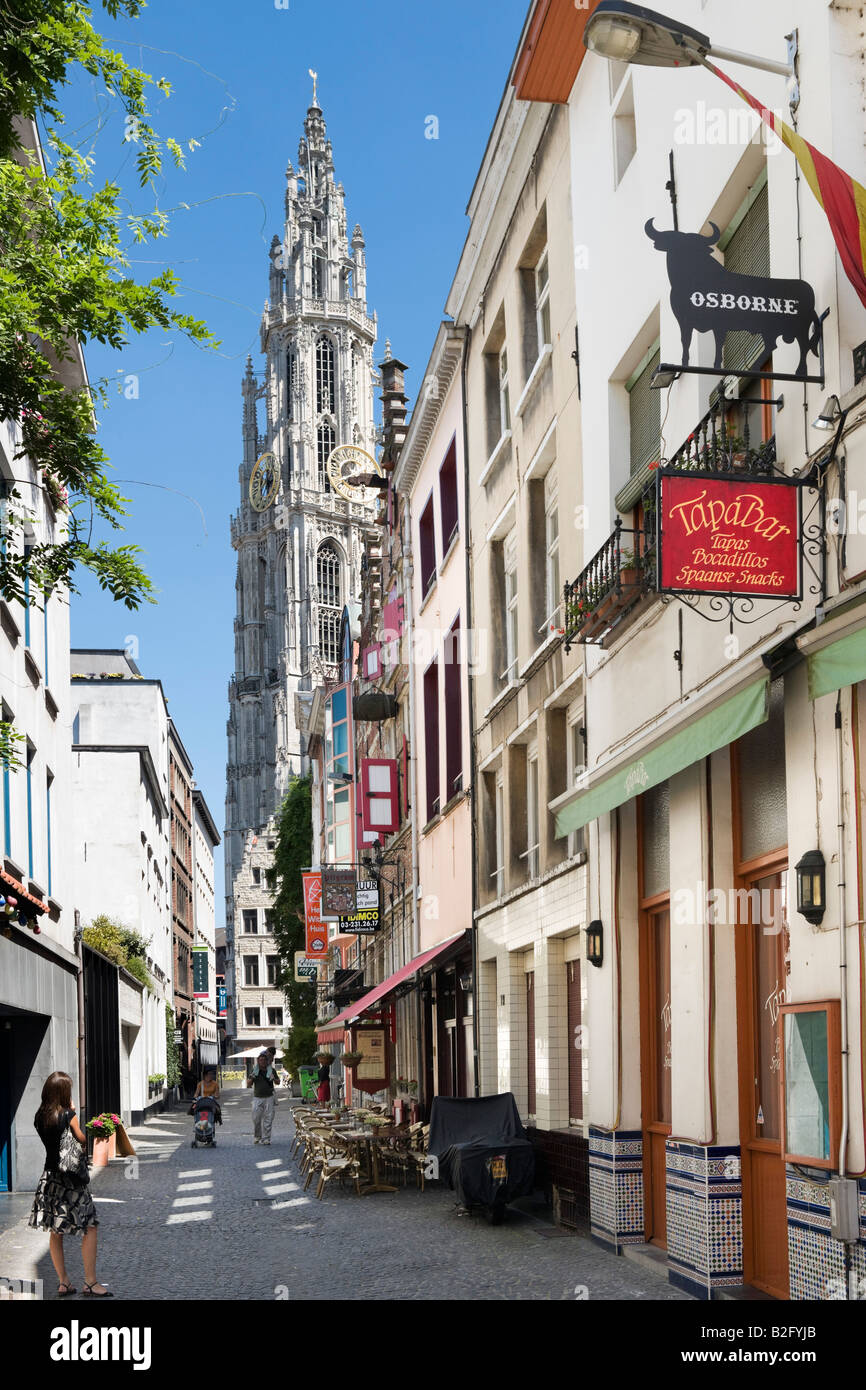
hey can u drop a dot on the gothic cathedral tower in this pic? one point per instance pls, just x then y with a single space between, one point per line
299 554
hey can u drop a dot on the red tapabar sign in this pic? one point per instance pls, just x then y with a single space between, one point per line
316 931
730 537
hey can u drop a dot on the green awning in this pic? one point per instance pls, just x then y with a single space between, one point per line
841 663
690 745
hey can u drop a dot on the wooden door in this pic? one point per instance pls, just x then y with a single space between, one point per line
655 973
761 991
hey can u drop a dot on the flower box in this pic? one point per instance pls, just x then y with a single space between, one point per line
103 1151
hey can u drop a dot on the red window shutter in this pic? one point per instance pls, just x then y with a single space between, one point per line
371 662
380 801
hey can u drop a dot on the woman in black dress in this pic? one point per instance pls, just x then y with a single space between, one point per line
63 1204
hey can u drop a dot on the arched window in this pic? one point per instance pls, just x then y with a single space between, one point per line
330 602
328 576
325 390
290 384
324 449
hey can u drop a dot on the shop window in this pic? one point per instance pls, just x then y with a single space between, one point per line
654 809
760 756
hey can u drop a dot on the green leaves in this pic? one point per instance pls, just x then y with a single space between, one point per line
64 282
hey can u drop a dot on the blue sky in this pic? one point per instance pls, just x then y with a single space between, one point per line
238 70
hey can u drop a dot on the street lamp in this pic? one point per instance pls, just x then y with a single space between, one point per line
625 33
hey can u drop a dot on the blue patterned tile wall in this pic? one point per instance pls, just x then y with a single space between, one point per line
817 1261
704 1217
616 1187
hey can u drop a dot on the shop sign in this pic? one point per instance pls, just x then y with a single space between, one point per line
364 920
724 536
200 988
338 893
306 971
707 298
316 931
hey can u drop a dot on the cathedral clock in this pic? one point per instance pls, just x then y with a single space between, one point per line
346 466
264 482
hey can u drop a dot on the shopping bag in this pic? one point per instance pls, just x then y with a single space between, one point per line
123 1143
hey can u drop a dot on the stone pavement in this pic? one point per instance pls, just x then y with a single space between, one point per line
234 1223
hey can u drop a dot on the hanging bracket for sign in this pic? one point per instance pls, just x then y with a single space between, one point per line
735 540
708 298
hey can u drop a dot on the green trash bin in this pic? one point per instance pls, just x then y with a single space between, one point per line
309 1082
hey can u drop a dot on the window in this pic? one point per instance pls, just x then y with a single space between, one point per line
431 739
49 778
324 449
273 964
291 376
27 550
45 597
542 300
325 392
8 718
275 1017
320 268
427 547
330 590
251 921
453 714
339 774
257 875
747 252
624 134
448 509
251 1018
251 970
31 757
504 401
509 558
644 413
269 920
494 815
551 544
575 755
532 811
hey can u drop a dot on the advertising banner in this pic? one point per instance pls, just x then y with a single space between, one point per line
221 1001
729 536
364 921
317 932
338 892
306 971
199 973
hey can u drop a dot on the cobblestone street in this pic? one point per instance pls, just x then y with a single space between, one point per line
234 1223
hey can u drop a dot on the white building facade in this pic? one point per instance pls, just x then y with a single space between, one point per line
205 839
719 753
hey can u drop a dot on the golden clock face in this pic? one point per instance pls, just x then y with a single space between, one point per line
346 463
264 482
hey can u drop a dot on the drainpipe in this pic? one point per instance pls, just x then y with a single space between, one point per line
82 1060
843 943
473 829
408 574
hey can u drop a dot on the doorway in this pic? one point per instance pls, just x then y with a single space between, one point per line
761 990
654 961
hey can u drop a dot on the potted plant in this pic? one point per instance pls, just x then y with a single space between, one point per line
155 1082
103 1129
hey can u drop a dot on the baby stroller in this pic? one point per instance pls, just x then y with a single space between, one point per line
204 1127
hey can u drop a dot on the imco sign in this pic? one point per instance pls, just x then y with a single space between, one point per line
723 536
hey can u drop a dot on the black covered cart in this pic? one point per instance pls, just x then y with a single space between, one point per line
482 1150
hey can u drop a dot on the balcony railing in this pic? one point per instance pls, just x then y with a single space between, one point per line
621 573
616 578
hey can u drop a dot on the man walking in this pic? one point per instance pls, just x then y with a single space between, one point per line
263 1080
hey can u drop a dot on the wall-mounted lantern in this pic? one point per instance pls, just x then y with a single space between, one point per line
811 884
595 943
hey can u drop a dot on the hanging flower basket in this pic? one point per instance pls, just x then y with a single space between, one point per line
326 1058
351 1059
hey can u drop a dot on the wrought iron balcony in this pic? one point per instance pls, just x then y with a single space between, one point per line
619 575
615 579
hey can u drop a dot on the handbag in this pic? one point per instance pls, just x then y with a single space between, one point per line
72 1160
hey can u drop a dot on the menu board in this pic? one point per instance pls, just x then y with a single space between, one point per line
371 1073
807 1085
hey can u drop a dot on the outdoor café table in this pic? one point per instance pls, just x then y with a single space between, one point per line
371 1143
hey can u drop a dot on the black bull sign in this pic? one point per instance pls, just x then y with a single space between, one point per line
707 298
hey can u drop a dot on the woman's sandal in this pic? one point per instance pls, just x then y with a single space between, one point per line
88 1291
64 1290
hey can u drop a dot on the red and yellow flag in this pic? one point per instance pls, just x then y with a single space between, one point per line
842 198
